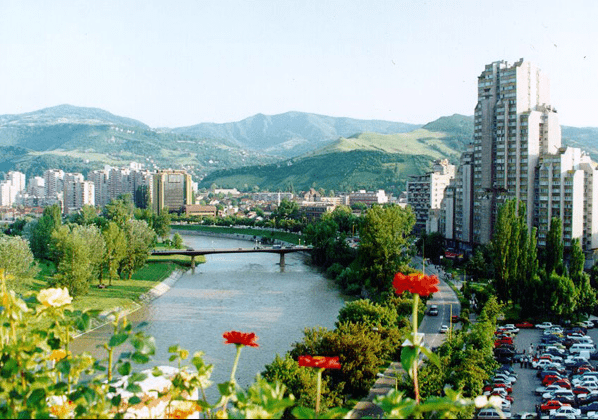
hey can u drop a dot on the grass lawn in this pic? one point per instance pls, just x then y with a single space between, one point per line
281 236
123 293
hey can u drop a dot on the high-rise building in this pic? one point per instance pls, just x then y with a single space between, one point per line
425 194
53 182
517 154
513 124
100 179
171 189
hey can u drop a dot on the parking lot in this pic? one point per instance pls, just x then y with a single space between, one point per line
523 393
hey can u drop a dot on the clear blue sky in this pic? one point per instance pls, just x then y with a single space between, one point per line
178 63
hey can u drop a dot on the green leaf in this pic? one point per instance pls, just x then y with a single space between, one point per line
304 413
64 366
138 377
433 357
140 358
38 395
118 339
134 388
116 400
408 355
124 368
134 400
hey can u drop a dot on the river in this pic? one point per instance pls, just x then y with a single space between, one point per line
243 292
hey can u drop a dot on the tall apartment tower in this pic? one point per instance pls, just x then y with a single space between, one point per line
513 125
171 189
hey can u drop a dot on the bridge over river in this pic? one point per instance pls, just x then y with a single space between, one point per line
282 251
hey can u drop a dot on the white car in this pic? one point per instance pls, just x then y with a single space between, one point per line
544 325
550 388
567 411
507 378
444 329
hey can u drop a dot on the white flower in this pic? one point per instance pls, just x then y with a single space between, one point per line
481 401
495 401
54 297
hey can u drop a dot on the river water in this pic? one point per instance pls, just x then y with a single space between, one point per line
243 292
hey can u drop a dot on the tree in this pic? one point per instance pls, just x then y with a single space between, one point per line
41 233
120 210
431 245
16 258
510 244
384 248
161 223
177 241
116 249
78 251
139 237
577 261
85 216
367 313
554 247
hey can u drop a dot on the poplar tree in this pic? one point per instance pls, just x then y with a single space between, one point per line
554 247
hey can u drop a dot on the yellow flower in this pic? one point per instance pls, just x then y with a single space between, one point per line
57 355
54 297
63 411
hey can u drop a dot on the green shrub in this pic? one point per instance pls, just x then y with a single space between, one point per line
367 313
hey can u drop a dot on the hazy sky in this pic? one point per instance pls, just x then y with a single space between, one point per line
178 63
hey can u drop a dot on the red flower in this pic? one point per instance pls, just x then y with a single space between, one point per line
415 283
244 339
319 362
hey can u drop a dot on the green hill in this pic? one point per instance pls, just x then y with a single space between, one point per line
345 171
364 161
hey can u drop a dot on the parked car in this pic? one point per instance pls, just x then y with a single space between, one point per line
544 325
549 388
567 411
524 324
551 405
491 413
593 406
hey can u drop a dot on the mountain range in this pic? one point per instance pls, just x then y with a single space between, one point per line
293 150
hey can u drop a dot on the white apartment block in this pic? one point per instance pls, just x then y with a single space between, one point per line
425 194
17 179
100 181
77 193
53 182
368 197
6 194
37 187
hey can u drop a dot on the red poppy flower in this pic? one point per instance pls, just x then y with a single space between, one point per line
319 362
244 339
415 283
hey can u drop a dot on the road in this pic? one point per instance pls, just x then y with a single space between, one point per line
445 299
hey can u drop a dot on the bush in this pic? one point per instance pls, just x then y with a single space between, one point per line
300 382
334 270
361 352
368 314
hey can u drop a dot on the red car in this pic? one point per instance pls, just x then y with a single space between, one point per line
504 386
552 405
525 324
578 390
550 379
506 397
563 383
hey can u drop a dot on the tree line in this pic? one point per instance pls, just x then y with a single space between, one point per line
86 247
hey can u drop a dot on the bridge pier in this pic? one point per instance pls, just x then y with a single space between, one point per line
193 264
282 259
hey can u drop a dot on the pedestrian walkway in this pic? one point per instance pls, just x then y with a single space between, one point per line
366 407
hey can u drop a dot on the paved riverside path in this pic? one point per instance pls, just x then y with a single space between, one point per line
445 298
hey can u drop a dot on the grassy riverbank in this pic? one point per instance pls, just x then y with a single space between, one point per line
123 293
262 233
